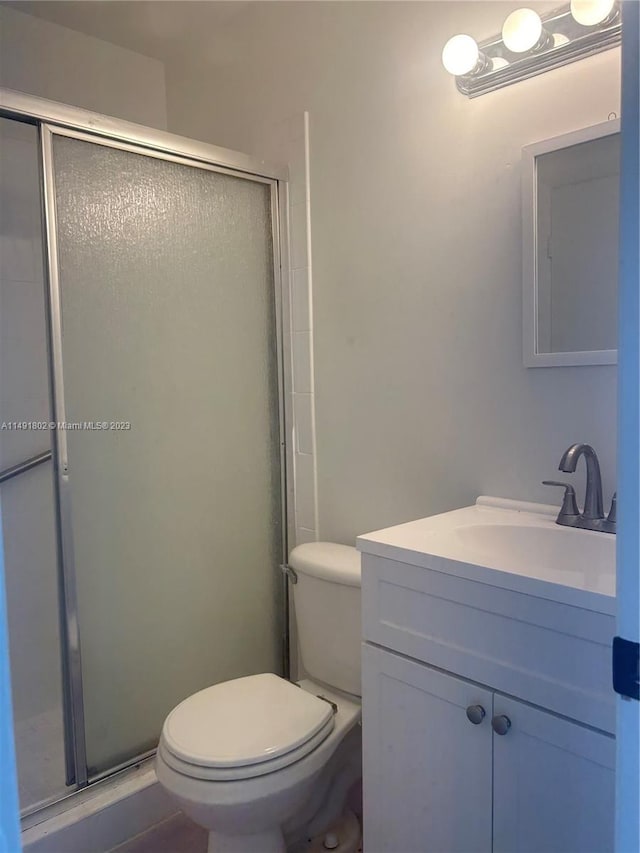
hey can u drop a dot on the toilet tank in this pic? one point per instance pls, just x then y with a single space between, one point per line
327 607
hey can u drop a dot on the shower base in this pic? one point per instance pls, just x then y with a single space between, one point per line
40 758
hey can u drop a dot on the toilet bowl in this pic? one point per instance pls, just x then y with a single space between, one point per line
244 807
259 759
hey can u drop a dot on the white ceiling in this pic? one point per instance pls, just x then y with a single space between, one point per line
163 29
193 31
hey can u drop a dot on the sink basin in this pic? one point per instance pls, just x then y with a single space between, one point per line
558 554
519 540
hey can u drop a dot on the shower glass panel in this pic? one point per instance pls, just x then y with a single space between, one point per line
28 506
169 356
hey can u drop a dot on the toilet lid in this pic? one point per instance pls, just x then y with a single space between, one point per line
245 721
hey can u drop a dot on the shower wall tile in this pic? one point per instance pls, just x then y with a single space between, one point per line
303 422
302 379
297 174
287 141
305 491
304 535
300 308
298 236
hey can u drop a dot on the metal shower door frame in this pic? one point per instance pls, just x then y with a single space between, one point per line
59 119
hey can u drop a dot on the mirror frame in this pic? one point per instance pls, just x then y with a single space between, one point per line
532 357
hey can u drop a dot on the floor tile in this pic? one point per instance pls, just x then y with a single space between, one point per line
177 834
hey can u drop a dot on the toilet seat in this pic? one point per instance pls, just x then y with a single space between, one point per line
244 728
245 771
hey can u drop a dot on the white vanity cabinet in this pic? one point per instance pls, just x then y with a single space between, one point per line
553 784
436 782
488 713
427 769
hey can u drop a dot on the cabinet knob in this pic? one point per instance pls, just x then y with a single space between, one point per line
501 724
475 714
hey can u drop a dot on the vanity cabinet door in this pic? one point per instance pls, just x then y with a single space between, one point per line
427 767
553 783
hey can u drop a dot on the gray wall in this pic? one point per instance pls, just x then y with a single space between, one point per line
422 400
55 62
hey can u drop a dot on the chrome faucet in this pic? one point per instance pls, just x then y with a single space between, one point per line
593 495
592 516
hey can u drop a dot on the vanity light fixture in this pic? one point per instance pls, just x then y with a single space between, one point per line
523 31
589 13
461 55
530 45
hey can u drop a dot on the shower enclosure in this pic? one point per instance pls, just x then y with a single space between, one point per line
142 441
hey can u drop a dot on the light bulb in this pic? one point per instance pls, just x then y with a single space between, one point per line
591 12
522 30
460 55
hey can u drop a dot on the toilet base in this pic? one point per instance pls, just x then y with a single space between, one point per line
342 836
300 799
270 841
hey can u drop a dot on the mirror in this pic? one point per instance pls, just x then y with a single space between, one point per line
570 248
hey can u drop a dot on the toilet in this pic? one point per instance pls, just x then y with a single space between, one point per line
264 763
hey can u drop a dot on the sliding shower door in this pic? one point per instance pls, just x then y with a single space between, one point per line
27 499
169 460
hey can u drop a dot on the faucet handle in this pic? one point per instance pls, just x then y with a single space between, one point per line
614 509
569 503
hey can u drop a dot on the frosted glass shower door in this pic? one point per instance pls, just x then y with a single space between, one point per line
169 356
28 499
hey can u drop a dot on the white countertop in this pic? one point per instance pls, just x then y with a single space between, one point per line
508 544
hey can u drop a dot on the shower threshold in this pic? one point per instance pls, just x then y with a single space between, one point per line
101 816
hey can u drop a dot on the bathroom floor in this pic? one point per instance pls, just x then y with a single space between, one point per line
177 834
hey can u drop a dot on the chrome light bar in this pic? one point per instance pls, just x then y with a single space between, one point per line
567 41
